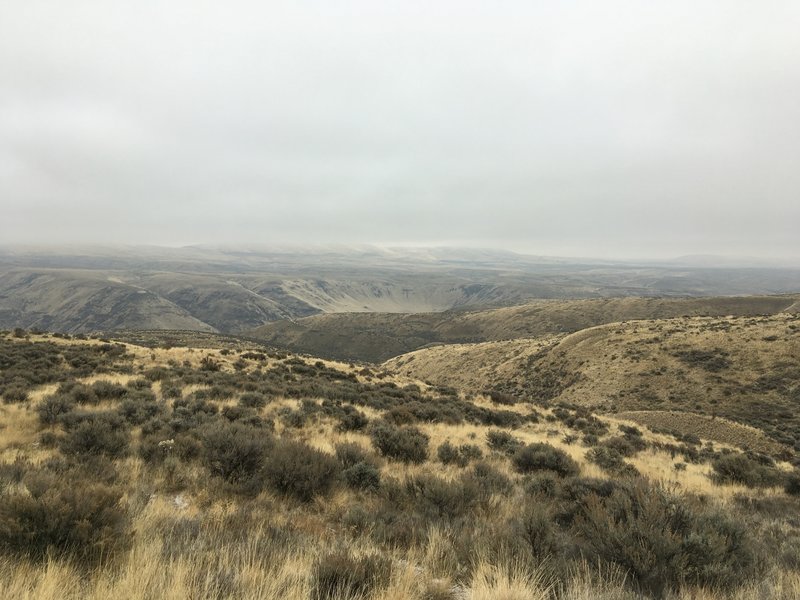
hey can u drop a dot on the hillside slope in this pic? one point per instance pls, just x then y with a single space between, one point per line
746 369
376 337
233 290
87 301
260 474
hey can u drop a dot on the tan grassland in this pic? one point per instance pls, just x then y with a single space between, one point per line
258 562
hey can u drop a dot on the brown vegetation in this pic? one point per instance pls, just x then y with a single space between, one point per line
156 477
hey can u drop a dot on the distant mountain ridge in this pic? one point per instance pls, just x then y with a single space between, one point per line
239 289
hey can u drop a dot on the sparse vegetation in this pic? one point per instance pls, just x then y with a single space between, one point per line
293 478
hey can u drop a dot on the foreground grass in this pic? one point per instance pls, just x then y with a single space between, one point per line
173 473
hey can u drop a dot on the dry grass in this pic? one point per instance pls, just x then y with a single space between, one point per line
266 546
715 429
742 373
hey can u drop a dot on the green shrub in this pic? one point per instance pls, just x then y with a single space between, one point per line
406 444
544 457
297 470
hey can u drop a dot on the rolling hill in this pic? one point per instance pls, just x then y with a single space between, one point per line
234 290
375 337
746 369
252 473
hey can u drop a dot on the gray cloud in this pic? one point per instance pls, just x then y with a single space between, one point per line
615 128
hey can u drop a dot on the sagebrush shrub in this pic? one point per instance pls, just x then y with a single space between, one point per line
662 541
105 390
253 400
363 476
233 451
740 468
608 459
140 408
351 419
792 485
297 470
627 445
461 455
350 453
96 435
406 444
503 441
78 520
53 407
15 395
544 457
490 480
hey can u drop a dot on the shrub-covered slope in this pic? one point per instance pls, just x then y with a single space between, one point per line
242 472
376 337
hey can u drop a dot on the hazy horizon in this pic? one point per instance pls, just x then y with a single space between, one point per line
621 130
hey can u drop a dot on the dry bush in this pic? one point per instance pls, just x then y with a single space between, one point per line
297 470
233 451
80 520
53 407
662 541
544 457
406 444
95 434
503 441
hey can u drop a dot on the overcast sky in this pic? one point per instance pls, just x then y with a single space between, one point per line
614 128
